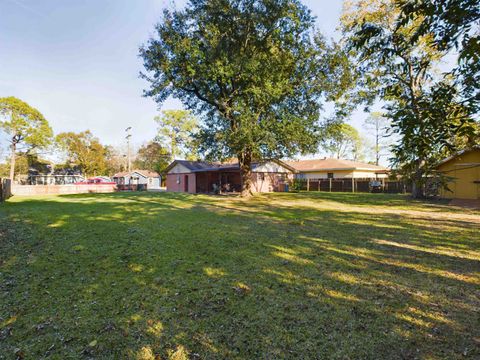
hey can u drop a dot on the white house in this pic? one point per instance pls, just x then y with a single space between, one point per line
328 168
149 180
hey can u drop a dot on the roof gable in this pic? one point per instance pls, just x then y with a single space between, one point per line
457 154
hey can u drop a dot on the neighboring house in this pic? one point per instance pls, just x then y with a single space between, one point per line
463 169
138 179
206 177
337 169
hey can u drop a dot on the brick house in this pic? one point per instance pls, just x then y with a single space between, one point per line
207 177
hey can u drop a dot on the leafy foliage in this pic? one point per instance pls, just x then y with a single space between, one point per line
342 140
399 67
115 160
177 128
153 157
454 25
84 150
23 124
249 67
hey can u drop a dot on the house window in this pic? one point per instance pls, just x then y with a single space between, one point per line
178 179
330 175
261 176
150 181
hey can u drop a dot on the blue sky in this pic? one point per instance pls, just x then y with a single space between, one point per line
77 61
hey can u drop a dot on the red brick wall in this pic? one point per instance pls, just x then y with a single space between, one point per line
173 186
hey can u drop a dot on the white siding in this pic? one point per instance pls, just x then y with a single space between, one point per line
270 167
368 174
179 169
341 174
324 174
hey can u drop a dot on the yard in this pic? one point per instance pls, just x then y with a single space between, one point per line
280 276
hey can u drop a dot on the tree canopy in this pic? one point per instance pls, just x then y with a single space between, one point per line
153 157
249 67
399 67
342 140
454 26
176 129
23 124
83 150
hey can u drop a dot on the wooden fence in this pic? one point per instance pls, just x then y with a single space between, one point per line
5 189
352 185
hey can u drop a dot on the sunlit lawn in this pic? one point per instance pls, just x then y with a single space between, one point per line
297 276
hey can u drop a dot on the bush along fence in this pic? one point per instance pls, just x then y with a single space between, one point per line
5 189
352 185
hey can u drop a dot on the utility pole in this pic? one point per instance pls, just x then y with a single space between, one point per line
129 165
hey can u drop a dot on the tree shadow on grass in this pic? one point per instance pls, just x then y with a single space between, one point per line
138 275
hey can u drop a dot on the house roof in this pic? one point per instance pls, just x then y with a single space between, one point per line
121 174
461 152
198 166
144 173
332 164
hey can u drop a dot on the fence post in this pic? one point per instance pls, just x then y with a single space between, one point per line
330 185
308 184
318 184
353 184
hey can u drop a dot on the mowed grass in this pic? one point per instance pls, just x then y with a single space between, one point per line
278 276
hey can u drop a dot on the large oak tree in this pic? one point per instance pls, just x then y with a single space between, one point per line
250 68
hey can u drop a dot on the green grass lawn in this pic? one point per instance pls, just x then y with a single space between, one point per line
278 276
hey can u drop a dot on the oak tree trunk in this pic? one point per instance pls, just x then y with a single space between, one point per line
245 163
417 182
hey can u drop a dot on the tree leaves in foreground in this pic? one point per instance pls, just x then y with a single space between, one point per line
23 125
400 68
83 150
454 26
249 67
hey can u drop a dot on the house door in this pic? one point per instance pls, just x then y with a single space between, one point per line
185 184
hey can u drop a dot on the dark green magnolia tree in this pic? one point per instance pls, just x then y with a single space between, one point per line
23 125
396 66
250 68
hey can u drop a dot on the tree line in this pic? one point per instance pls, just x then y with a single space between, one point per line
30 136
